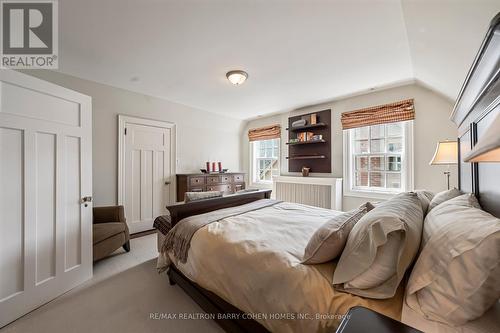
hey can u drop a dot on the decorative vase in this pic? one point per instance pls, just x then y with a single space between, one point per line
305 171
208 167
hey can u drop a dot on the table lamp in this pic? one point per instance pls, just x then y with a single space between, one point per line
446 154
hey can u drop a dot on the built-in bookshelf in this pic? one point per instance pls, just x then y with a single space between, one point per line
313 153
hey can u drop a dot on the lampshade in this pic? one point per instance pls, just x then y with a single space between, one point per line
487 149
446 153
237 77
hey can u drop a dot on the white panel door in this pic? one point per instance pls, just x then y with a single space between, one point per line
45 171
147 167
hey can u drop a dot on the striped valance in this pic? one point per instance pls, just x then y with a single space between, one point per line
264 133
382 114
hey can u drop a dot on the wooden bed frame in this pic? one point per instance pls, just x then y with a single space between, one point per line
472 118
208 301
477 105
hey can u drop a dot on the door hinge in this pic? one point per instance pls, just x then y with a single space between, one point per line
125 131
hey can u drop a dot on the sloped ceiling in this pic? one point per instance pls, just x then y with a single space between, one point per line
444 37
297 53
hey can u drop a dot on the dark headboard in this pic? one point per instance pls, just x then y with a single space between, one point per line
477 105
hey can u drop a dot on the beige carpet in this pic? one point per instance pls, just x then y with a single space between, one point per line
121 297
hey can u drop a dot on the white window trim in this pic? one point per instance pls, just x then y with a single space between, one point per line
407 171
251 177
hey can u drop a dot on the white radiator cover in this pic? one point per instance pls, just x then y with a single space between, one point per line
313 191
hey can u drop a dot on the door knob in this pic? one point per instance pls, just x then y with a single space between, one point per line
86 200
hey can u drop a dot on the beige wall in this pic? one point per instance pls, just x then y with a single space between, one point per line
431 125
201 135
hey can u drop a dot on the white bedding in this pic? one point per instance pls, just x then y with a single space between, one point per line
253 262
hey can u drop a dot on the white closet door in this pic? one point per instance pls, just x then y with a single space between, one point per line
147 169
45 171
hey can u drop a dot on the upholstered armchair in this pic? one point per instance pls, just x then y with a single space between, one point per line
110 231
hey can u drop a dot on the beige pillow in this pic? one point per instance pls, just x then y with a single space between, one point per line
457 276
441 197
432 223
425 198
329 240
380 247
195 196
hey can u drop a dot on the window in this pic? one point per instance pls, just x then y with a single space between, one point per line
378 159
265 160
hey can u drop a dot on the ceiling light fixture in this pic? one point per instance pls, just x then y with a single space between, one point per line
237 77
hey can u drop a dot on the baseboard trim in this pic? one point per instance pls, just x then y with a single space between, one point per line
142 233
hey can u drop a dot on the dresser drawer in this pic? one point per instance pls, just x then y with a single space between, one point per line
196 189
239 187
197 181
239 178
226 179
211 180
223 188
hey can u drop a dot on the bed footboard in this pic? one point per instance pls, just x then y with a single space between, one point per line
180 211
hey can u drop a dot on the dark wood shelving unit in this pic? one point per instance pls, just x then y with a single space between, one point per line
305 142
312 157
306 127
314 154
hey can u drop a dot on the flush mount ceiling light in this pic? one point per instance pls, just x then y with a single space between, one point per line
237 77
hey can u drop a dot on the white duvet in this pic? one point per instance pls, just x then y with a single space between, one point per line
253 262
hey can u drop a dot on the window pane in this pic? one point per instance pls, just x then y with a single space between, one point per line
377 146
361 178
269 152
393 180
395 145
262 151
377 163
377 156
395 129
361 133
394 163
377 179
275 152
377 131
361 147
361 163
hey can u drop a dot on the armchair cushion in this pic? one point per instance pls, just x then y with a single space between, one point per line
103 231
109 214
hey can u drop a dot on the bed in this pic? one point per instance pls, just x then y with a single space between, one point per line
239 257
246 264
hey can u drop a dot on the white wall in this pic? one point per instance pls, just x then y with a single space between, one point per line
201 136
431 125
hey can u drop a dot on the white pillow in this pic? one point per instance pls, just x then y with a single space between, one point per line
425 198
441 197
380 247
456 278
383 267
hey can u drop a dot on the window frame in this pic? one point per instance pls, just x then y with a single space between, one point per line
407 167
253 165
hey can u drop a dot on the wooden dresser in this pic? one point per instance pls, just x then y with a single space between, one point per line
199 182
